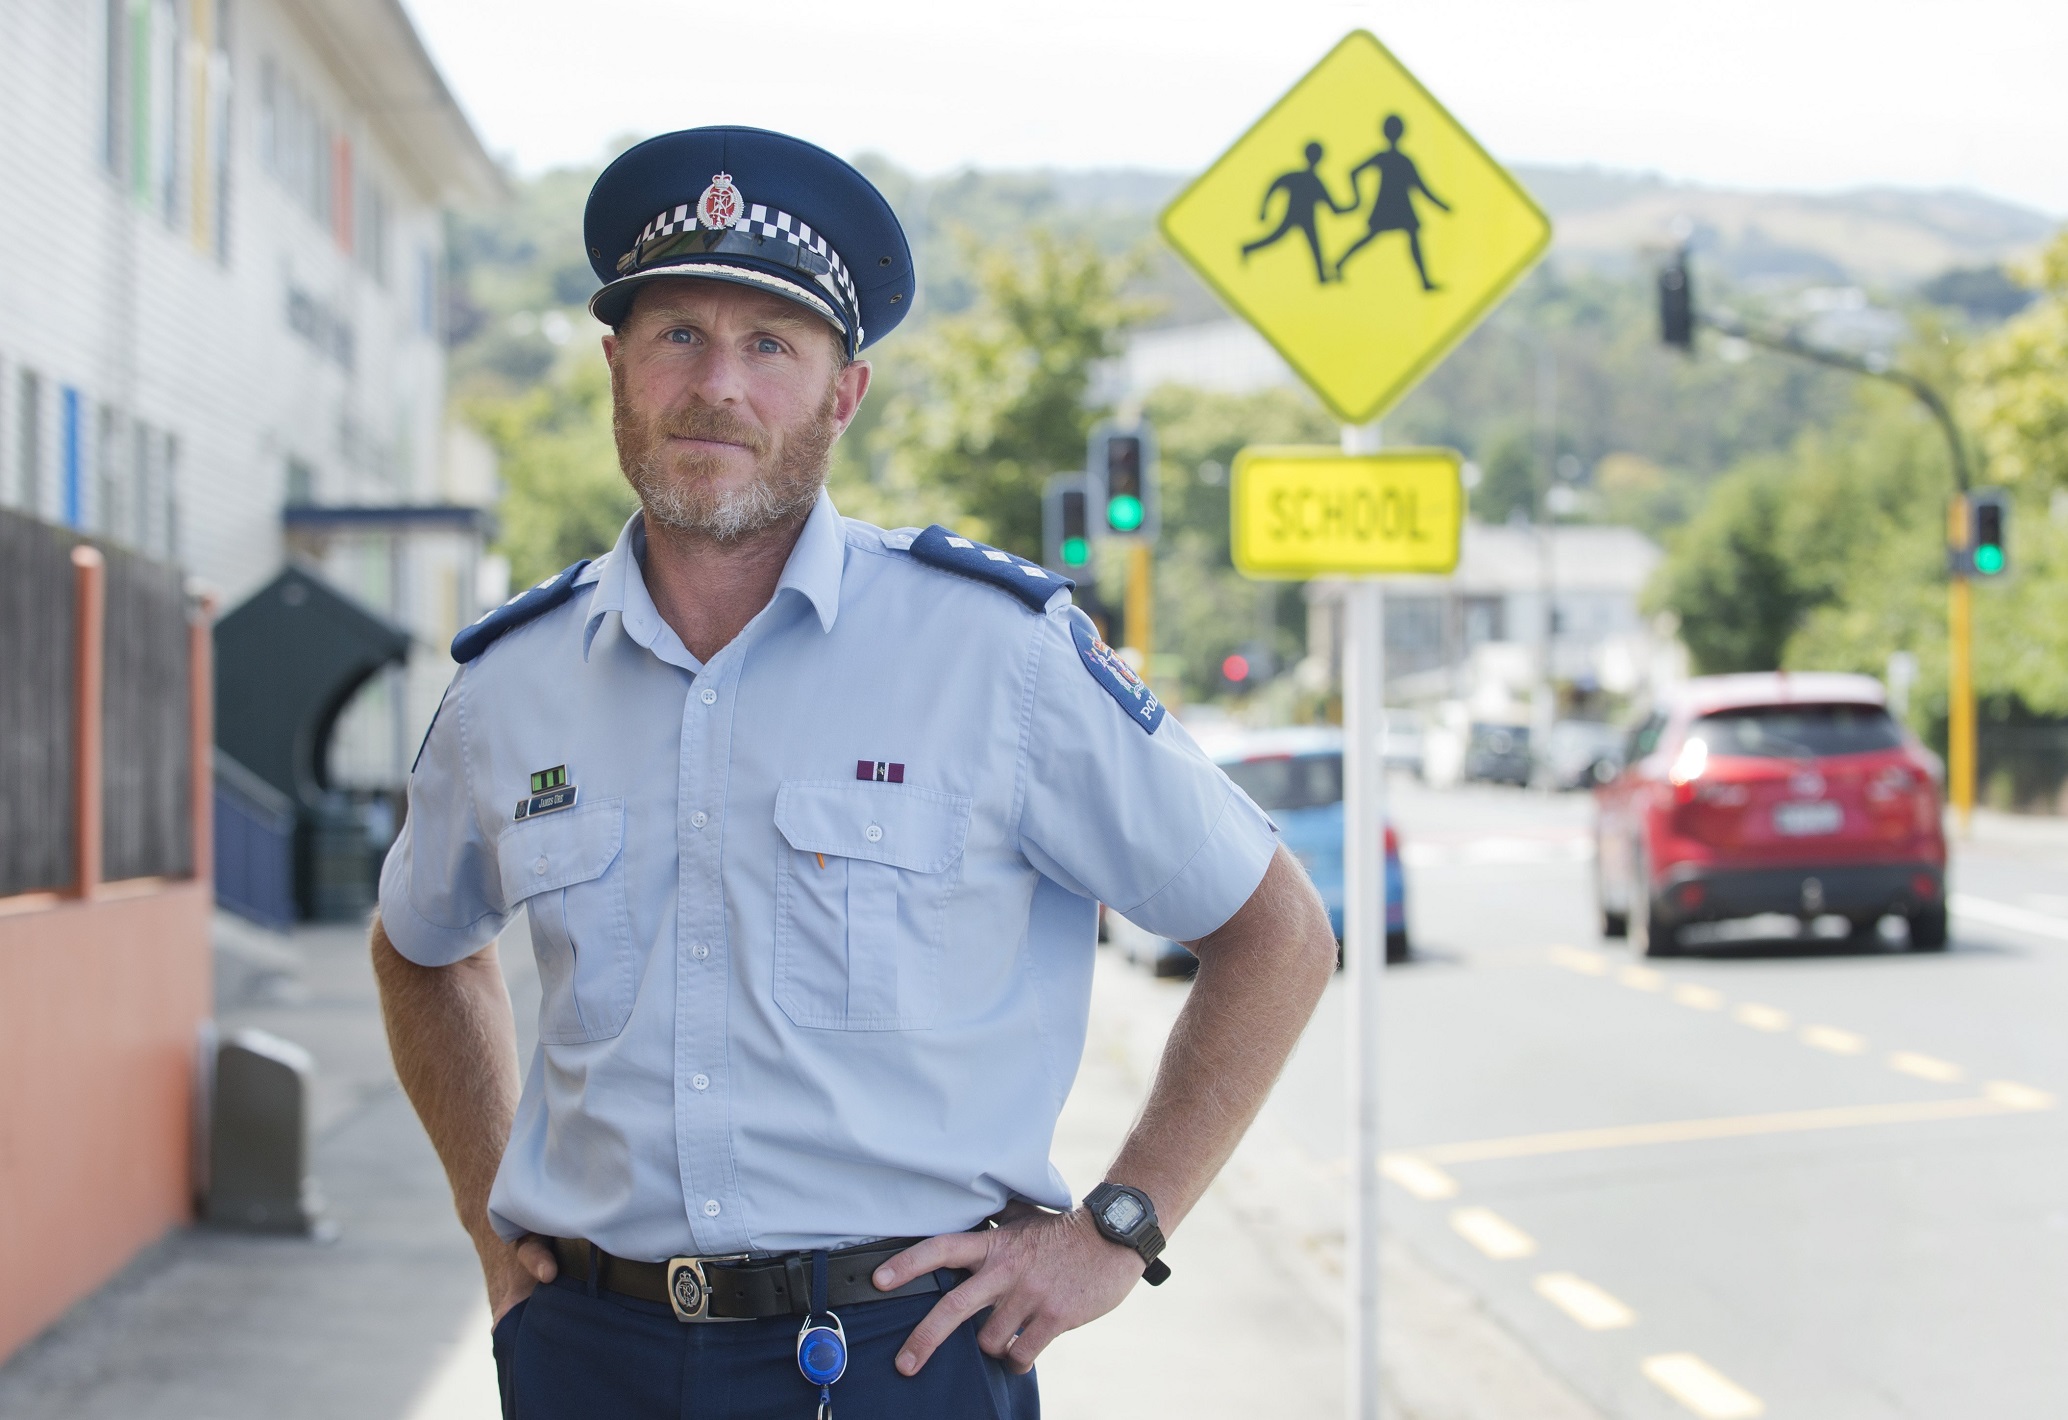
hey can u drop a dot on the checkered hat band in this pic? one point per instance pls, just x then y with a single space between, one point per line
760 220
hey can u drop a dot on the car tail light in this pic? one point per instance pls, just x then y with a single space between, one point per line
1924 887
1894 782
1392 842
1723 795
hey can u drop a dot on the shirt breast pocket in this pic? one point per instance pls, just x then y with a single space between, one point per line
568 869
863 879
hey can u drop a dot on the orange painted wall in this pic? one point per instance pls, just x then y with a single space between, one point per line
100 1002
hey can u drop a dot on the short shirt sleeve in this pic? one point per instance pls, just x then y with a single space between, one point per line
1144 822
441 893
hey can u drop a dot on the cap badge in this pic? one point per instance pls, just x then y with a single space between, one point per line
721 204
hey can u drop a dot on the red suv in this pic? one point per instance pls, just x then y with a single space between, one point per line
1749 794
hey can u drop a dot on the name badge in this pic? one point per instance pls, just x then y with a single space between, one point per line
550 792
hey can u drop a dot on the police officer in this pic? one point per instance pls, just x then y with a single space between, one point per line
809 821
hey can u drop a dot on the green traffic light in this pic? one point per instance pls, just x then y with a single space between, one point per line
1988 560
1124 513
1076 552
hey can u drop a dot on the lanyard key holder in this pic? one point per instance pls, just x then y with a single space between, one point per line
821 1347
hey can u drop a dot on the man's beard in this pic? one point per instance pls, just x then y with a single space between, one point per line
681 492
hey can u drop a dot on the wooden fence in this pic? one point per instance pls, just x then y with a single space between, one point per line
146 734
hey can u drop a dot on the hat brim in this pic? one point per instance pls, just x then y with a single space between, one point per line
610 304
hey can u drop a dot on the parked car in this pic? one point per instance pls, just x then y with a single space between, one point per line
1777 793
1581 754
1498 754
1296 776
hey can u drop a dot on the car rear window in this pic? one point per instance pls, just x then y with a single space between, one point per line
1796 731
1294 781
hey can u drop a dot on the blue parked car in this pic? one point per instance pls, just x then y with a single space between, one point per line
1296 776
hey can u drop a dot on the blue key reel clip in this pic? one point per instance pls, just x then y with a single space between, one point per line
821 1345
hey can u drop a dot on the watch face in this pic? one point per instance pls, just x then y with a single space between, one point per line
1123 1212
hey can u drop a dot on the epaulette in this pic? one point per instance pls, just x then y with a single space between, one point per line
525 606
1035 585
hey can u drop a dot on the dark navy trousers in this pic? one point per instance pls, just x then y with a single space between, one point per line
562 1354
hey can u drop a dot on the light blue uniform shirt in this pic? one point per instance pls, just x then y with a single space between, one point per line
784 1006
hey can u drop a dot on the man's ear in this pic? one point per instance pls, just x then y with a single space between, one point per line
610 347
848 388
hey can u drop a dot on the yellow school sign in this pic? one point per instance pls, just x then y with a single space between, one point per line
1307 512
1359 228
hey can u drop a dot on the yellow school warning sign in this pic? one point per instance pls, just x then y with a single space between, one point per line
1309 512
1359 228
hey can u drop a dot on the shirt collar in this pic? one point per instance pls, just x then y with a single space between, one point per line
813 571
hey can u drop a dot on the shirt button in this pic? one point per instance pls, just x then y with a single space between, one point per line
699 819
710 1207
539 867
709 697
700 1082
874 833
700 951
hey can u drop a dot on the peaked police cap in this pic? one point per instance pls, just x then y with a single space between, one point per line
756 209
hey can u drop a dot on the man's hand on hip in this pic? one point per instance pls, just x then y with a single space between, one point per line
1042 1274
515 1270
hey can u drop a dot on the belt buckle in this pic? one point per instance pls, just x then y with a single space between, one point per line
689 1290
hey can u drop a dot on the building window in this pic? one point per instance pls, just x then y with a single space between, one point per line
70 434
166 113
29 441
370 237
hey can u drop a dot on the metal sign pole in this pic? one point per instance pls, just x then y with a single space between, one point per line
1364 944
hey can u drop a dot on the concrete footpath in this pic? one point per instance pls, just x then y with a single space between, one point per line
388 1320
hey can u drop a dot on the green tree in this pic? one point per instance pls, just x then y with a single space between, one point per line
985 404
563 497
1730 579
1507 480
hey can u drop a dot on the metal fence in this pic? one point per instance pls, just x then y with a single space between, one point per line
147 824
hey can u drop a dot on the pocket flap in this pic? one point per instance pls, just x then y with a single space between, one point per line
921 830
557 850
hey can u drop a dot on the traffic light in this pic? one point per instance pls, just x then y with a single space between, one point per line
1677 303
1065 524
1989 516
1121 462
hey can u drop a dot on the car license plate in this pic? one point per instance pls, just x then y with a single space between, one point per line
1804 820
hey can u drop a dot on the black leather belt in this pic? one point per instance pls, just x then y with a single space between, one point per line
741 1288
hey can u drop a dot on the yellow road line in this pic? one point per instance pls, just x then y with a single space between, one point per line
1925 1067
1641 978
1759 1017
1418 1176
1702 998
1700 1387
1575 959
1831 1038
1492 1234
1584 1302
1999 1097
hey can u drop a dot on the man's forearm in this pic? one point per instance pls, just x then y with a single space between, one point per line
1260 977
454 1042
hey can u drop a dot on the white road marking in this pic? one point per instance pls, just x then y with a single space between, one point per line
1700 1387
2002 914
1418 1176
1702 998
2012 1095
1492 1234
1483 851
1578 959
1926 1067
1759 1017
1641 978
1584 1302
1997 1097
1831 1038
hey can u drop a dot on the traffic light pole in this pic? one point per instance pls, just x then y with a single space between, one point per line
1960 685
1141 609
1364 944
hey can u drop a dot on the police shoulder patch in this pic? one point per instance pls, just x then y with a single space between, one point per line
1116 676
1032 584
525 606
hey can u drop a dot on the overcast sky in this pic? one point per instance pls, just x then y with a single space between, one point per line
1804 94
